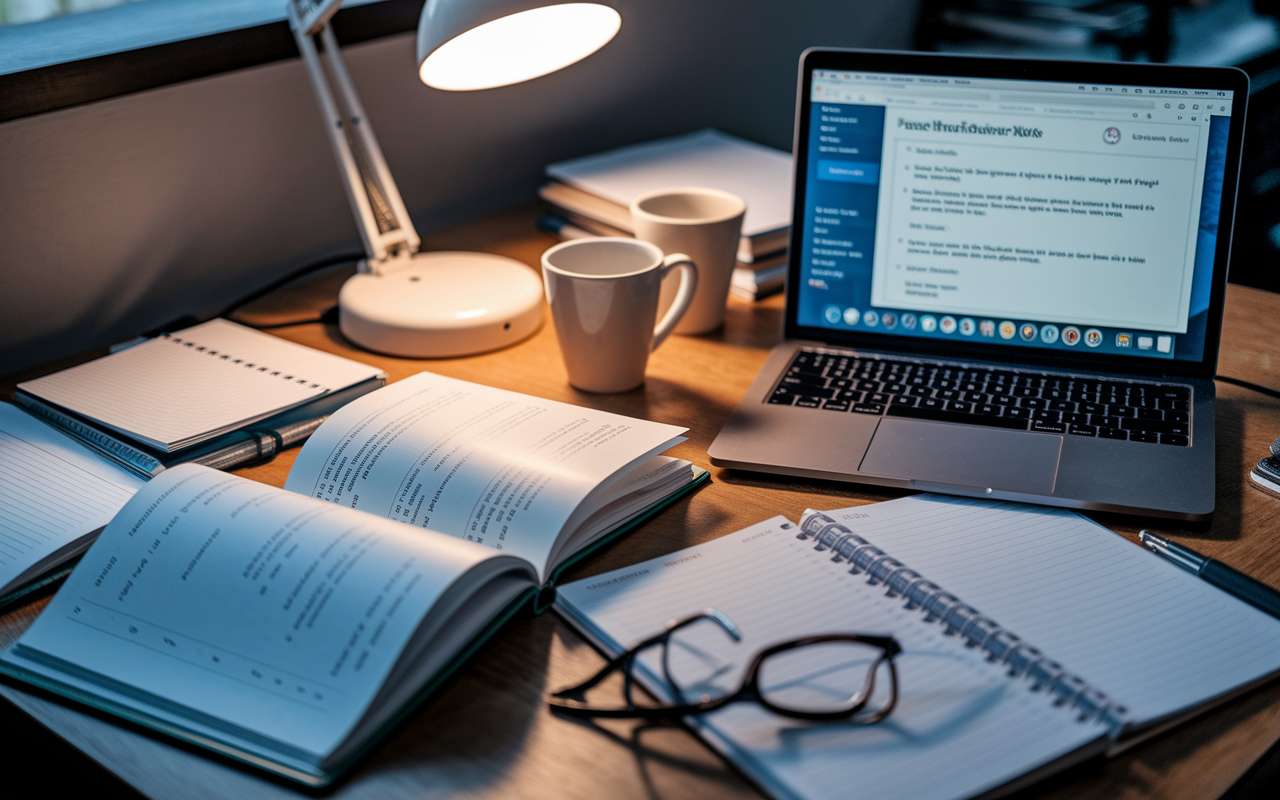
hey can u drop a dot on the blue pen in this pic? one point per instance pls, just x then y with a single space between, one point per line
1231 581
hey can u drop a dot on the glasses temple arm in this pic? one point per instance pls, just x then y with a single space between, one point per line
596 679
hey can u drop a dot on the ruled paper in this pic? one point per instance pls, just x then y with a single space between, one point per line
1150 634
53 491
961 726
190 386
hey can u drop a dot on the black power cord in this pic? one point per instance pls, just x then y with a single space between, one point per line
1250 386
328 316
315 266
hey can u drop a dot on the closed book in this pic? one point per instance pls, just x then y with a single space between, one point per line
602 186
763 278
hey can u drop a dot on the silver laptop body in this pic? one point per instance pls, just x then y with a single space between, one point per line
1006 280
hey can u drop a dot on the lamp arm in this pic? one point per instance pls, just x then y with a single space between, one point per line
363 130
382 220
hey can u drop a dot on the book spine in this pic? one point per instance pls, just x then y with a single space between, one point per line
563 228
1001 645
109 446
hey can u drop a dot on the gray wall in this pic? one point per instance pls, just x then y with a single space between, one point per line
121 215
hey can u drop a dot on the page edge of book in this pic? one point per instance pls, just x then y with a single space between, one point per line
323 774
55 574
1160 725
527 598
145 720
700 478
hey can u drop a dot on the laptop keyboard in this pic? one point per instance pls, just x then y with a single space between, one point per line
1109 409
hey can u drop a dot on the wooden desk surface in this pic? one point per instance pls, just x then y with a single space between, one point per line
488 733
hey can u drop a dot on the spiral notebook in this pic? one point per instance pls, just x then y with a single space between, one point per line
184 388
1032 638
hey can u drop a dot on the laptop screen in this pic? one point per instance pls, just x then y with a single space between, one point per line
1017 213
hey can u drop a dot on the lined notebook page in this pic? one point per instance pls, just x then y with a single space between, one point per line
961 727
190 386
52 492
1150 634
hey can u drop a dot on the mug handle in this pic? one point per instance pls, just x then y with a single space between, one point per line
684 295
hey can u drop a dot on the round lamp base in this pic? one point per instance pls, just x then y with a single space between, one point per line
441 305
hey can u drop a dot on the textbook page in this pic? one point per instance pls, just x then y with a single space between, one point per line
243 612
498 468
53 492
192 385
1149 634
961 726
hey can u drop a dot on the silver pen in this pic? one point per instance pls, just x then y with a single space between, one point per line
262 445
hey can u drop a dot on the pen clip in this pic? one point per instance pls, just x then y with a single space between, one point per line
1184 557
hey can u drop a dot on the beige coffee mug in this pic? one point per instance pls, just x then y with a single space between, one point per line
603 295
704 223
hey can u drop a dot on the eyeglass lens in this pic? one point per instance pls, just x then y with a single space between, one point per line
703 664
826 677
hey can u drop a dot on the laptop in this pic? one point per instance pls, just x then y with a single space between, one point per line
1006 280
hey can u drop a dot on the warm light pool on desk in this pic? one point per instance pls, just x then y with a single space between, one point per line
435 305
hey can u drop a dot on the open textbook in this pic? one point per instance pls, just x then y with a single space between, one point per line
289 628
1031 639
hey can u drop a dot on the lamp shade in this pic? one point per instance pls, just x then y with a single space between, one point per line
480 44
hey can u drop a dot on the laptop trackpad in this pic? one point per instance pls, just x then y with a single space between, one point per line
964 455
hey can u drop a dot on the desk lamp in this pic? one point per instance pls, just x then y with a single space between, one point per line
433 305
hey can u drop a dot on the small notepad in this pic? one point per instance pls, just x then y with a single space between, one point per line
187 387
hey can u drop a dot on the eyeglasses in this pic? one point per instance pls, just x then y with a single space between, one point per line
827 677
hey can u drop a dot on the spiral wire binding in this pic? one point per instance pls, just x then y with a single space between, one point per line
957 619
209 351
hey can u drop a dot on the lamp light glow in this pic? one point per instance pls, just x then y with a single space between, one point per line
520 46
403 301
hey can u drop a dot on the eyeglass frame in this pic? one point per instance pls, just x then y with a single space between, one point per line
750 687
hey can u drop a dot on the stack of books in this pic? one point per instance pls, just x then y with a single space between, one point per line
1101 29
591 196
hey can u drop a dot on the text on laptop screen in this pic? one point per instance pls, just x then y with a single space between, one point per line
1023 213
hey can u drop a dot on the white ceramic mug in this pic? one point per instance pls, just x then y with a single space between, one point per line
604 300
704 223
